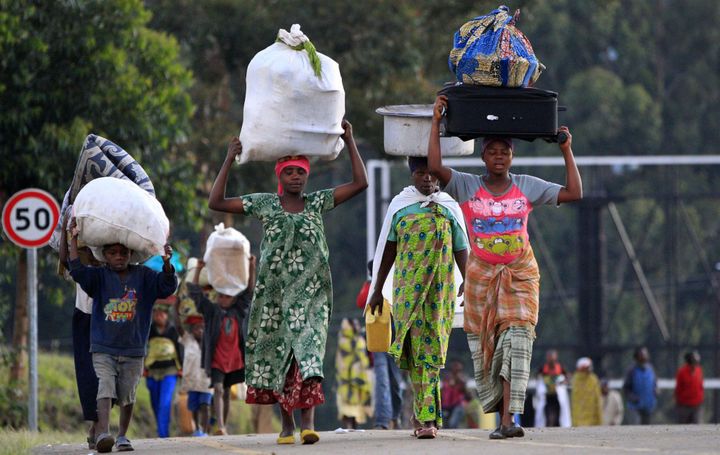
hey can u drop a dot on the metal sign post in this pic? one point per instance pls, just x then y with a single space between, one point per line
33 348
29 219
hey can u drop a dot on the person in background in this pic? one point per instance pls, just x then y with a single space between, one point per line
163 364
223 348
613 408
389 383
85 377
455 395
552 374
389 389
362 296
196 382
123 296
351 370
527 419
288 325
689 392
586 397
640 388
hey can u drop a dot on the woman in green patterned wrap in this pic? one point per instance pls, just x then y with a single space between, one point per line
424 240
288 323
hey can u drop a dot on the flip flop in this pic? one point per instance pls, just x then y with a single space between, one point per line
416 425
123 444
104 443
91 442
498 433
426 433
309 436
290 439
513 431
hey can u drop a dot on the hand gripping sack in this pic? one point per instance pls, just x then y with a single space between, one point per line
100 157
110 210
294 102
490 50
227 259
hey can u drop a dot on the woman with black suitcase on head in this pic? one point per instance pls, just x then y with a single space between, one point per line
502 280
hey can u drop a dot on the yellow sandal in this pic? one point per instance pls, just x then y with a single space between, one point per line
309 436
290 439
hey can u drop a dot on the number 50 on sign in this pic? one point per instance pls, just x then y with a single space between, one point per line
29 217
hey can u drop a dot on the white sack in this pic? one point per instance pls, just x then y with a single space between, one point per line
227 260
288 109
100 157
110 210
192 265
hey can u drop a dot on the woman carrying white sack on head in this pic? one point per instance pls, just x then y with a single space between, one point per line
294 102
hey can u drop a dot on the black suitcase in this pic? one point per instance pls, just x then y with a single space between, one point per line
477 111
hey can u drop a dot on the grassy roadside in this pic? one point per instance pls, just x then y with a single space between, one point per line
22 442
60 416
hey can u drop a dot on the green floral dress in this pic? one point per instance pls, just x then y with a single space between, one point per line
293 296
424 303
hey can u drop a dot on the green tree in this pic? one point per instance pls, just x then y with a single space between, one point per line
69 68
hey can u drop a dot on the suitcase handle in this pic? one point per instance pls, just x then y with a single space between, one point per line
562 138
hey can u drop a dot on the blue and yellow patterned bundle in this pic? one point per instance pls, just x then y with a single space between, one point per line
490 50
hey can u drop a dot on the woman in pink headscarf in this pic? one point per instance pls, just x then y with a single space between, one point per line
291 307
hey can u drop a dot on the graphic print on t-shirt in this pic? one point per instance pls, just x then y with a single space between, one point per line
122 309
498 224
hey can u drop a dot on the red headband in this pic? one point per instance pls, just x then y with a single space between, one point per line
194 319
298 161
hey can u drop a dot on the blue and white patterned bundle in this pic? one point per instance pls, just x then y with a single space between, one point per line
490 50
100 157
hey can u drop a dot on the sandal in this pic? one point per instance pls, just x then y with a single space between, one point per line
513 431
289 439
498 433
309 436
123 444
104 443
426 433
416 425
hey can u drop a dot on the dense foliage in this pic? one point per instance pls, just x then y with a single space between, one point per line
638 78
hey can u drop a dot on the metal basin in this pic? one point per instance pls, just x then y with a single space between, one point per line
407 131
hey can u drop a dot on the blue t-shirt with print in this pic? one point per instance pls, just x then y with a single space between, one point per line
122 310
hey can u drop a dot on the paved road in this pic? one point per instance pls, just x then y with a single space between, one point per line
675 439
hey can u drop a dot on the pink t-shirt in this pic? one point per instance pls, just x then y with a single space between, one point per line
497 223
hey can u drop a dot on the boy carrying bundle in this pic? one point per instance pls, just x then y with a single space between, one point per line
123 297
223 343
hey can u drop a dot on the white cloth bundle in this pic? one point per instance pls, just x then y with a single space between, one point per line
227 260
110 210
100 157
409 196
294 102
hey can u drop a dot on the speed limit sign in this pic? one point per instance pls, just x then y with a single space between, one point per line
29 217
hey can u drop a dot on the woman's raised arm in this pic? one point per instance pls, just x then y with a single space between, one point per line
435 166
359 176
217 200
572 191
